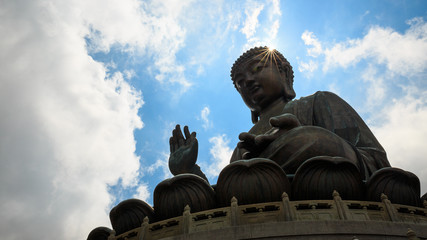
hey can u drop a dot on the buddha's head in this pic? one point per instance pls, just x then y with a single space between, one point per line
262 76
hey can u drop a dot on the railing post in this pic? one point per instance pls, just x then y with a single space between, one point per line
186 221
343 212
143 233
391 210
411 235
288 212
234 212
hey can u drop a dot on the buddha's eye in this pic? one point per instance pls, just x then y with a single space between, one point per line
258 68
239 83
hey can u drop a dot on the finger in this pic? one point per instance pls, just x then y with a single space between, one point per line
175 139
246 136
187 133
179 135
171 144
241 144
274 122
264 139
193 136
287 121
281 121
242 136
246 145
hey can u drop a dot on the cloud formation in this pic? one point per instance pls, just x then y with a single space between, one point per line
143 193
270 25
221 154
402 54
251 22
204 117
403 133
311 40
151 28
161 163
68 121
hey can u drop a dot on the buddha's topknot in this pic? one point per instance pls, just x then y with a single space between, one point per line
253 52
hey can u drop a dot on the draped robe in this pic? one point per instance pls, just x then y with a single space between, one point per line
327 111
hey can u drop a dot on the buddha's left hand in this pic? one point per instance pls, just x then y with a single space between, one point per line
280 124
256 144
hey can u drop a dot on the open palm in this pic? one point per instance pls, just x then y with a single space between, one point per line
184 149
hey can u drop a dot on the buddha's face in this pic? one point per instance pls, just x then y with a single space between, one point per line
259 82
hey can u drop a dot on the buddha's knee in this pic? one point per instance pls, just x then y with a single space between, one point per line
251 181
318 177
172 195
401 187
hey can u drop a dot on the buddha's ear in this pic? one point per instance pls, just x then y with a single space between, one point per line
288 81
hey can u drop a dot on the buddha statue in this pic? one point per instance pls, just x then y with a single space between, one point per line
307 148
319 141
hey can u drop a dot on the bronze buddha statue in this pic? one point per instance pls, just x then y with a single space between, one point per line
308 148
319 141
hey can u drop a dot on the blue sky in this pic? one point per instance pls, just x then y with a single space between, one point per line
91 90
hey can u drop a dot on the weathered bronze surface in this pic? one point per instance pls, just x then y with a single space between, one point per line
321 175
129 214
172 195
400 186
99 233
251 181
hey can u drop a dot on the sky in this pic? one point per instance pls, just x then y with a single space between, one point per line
91 90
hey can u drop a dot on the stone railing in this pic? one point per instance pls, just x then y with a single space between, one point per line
308 210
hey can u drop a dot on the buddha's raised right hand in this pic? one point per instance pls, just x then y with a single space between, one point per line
183 150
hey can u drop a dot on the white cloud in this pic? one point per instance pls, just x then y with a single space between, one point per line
313 51
401 53
221 154
403 132
67 126
252 11
204 116
67 133
307 67
152 29
129 74
270 25
275 8
376 89
161 163
311 40
143 193
273 30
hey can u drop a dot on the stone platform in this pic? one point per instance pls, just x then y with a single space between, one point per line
309 219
